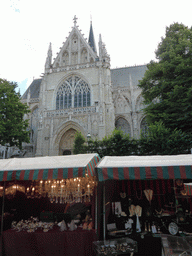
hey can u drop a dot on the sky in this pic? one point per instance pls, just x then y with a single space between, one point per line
130 29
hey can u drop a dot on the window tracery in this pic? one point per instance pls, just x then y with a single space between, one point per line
73 93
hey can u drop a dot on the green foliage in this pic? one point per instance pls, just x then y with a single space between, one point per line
167 84
13 128
161 140
117 144
79 144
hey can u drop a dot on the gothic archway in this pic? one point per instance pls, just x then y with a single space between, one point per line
65 134
66 142
122 124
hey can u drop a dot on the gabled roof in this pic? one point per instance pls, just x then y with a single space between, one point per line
83 42
34 89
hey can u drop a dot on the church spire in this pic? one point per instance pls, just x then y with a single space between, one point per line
91 39
49 57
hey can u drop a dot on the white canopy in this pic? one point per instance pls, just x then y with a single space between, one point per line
143 161
70 165
145 167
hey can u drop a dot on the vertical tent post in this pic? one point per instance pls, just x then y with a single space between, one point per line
104 237
2 214
96 208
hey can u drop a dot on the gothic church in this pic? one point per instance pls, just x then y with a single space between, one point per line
79 92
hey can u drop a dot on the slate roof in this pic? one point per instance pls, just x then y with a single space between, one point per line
121 77
34 89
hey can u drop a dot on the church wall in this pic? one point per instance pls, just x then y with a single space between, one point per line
128 105
53 81
114 96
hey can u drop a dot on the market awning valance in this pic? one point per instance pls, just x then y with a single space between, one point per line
145 167
187 189
48 167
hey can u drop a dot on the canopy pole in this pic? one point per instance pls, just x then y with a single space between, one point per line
2 214
104 236
96 208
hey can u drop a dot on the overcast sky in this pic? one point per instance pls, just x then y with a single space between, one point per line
131 30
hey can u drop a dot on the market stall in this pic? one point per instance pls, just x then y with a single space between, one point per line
148 194
67 183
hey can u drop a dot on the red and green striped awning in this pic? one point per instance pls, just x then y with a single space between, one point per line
188 189
49 167
145 167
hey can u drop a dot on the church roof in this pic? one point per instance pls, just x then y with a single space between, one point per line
92 39
34 89
122 77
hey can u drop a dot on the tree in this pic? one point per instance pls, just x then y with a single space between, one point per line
116 144
79 144
161 140
13 128
167 84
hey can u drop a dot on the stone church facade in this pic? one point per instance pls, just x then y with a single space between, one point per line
79 92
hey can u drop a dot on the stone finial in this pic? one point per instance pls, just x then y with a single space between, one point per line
75 20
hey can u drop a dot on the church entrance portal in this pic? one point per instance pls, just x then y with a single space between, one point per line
66 143
67 152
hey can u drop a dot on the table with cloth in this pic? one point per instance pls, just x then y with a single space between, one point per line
53 242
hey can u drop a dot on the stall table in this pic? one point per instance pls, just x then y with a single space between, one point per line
175 245
53 242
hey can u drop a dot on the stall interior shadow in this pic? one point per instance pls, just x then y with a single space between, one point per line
166 199
18 206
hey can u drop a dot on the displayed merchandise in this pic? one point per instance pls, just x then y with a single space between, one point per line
154 207
115 247
149 194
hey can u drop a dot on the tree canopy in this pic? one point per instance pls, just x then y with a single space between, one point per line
79 146
13 127
161 140
167 84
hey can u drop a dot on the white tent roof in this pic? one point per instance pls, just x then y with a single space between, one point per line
144 161
145 167
48 167
46 162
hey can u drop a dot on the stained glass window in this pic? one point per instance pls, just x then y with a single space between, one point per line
76 86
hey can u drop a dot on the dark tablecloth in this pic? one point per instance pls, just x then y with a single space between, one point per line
53 242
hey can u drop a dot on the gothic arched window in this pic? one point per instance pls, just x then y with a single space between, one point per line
78 88
63 99
122 124
82 94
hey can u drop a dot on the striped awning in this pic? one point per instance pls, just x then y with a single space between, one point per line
145 167
188 189
48 167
